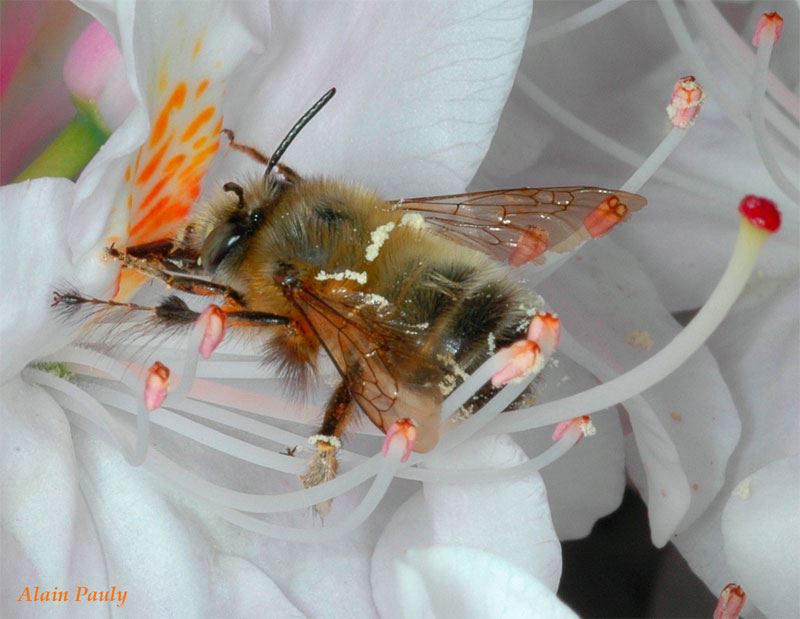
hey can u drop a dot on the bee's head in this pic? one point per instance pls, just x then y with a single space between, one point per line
228 238
238 221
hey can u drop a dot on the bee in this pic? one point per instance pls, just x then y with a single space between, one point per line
405 297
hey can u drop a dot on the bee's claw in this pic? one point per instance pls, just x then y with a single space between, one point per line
322 467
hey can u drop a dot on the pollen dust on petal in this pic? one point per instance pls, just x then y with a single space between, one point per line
742 490
640 339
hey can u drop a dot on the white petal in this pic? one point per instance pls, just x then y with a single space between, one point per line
243 590
48 530
760 527
662 473
419 91
508 519
453 581
147 538
603 299
763 325
587 483
183 536
35 261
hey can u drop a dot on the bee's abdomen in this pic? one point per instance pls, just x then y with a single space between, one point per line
469 305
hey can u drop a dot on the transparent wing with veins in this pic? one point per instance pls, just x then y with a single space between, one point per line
519 226
364 345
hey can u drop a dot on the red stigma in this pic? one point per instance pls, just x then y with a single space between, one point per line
760 212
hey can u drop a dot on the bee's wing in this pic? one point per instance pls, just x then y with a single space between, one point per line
364 345
519 225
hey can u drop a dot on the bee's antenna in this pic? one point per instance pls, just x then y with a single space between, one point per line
304 119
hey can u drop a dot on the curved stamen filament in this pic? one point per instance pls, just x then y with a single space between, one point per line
550 455
73 398
729 103
664 362
654 161
573 22
718 32
611 146
767 41
687 97
191 359
218 498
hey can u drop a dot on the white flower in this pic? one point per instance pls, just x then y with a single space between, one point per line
393 126
398 135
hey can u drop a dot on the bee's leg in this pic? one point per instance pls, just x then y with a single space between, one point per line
327 441
285 174
167 254
184 283
171 310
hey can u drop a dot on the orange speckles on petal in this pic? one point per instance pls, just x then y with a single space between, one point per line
183 139
173 164
204 154
146 217
163 76
198 46
160 209
175 102
194 191
162 224
201 88
153 193
128 174
159 127
129 201
152 165
199 120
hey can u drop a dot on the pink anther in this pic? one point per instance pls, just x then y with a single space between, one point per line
687 98
545 330
405 428
583 424
730 603
156 385
214 320
531 244
525 357
605 216
530 355
760 212
769 24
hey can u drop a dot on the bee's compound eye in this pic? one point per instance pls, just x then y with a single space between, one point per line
219 244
